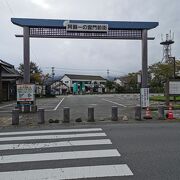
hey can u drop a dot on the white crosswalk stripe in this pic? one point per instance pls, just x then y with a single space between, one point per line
59 156
80 145
55 144
69 173
62 136
51 131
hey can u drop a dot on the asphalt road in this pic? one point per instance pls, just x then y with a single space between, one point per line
122 151
79 106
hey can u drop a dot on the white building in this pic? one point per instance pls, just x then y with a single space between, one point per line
118 81
95 82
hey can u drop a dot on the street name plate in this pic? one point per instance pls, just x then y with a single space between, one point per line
144 97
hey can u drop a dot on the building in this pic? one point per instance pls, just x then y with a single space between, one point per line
53 86
9 77
118 81
84 83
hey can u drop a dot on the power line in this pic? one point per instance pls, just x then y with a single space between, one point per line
82 69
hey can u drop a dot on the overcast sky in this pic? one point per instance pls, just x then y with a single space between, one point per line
88 56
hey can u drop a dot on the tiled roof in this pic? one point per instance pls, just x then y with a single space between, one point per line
8 70
84 77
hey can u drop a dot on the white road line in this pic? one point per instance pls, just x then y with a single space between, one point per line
7 105
58 104
69 173
55 144
5 111
50 131
52 136
114 103
59 156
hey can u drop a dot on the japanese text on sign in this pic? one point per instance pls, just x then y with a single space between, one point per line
25 92
86 27
144 97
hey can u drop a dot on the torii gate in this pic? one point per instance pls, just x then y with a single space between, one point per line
82 29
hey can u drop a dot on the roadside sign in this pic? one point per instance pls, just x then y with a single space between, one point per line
174 87
139 78
26 92
144 97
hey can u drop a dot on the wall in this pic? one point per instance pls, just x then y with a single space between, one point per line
65 79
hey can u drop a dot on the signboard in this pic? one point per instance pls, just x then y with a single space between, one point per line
25 92
174 87
139 78
86 27
144 97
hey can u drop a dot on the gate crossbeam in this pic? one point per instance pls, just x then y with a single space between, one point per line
62 33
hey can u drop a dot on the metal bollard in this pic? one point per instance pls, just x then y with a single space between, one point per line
114 113
41 119
138 113
66 117
15 116
91 114
161 114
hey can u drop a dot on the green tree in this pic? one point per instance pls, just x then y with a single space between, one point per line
130 82
35 72
109 85
161 73
119 89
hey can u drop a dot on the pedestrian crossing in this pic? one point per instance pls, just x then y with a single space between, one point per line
59 154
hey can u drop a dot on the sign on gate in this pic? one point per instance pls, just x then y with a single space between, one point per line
25 92
86 27
144 97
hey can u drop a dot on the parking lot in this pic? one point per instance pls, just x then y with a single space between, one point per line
78 105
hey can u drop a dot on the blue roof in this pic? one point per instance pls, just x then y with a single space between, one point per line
60 23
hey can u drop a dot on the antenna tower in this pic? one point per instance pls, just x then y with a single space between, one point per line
167 47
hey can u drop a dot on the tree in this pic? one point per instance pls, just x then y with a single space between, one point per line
35 72
161 73
119 88
109 85
130 82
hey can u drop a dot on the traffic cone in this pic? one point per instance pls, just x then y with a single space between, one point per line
148 114
170 113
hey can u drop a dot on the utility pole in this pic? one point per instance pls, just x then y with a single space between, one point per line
53 74
0 82
52 68
107 74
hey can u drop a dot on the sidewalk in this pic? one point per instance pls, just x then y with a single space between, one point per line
30 120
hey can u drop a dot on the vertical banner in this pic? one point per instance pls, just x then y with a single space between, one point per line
144 97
